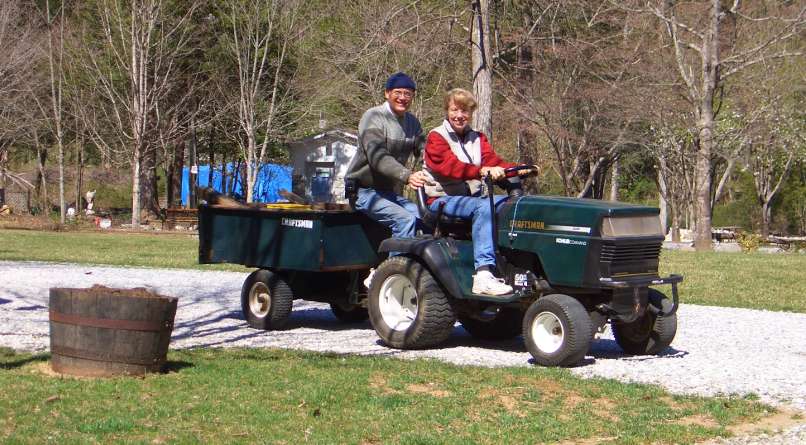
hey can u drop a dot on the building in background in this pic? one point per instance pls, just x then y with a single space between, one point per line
320 163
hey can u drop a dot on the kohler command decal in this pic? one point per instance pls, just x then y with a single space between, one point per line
572 242
300 223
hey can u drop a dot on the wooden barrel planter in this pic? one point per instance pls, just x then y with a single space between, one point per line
102 332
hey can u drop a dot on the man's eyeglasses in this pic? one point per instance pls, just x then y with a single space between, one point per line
405 94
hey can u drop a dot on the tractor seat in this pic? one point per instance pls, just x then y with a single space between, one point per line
446 224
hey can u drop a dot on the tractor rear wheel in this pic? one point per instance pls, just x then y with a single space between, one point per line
266 300
557 330
649 334
407 307
493 323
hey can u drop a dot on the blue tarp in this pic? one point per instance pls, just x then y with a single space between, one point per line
271 179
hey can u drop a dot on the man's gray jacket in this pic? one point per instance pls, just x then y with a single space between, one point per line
385 143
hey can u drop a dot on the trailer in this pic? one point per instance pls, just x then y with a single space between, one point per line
300 252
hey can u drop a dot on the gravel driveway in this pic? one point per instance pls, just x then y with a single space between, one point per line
716 351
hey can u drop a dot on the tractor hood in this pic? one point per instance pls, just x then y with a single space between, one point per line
561 214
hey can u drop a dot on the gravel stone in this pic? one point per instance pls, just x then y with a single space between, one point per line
717 351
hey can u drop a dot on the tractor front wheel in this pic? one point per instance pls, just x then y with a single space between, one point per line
651 333
557 330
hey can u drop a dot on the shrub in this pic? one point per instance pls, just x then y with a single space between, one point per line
748 241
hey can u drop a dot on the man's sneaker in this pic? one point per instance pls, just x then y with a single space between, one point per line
485 283
368 279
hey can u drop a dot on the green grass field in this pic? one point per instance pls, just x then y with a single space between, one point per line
754 280
278 396
287 397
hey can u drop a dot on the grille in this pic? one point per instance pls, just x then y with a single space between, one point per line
633 257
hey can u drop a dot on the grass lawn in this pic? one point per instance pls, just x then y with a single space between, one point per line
755 280
274 396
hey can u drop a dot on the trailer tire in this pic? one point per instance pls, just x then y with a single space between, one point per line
266 300
505 324
407 307
649 334
557 330
349 313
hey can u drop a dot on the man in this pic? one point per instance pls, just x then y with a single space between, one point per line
387 136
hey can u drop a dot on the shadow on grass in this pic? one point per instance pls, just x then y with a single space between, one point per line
172 366
12 360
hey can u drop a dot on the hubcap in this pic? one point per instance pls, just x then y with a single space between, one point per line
547 332
397 302
259 299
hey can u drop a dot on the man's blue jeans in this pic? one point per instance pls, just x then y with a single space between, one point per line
389 209
476 209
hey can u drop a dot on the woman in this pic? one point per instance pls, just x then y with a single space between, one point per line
458 157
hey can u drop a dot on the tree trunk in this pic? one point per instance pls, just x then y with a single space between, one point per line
675 224
481 59
192 182
176 166
614 180
766 216
136 186
79 174
149 197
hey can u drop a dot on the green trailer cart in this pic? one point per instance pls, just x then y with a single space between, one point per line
299 252
575 265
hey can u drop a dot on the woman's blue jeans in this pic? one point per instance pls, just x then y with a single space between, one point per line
476 209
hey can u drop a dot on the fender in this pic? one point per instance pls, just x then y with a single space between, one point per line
432 252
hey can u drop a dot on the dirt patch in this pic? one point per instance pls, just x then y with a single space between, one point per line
780 420
698 420
430 389
378 381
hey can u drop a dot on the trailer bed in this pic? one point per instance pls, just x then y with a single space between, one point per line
289 239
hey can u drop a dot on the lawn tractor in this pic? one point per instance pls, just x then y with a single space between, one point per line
574 265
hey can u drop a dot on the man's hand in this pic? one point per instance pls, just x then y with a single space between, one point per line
418 179
496 172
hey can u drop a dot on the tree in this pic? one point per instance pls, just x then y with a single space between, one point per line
707 39
19 52
131 59
262 33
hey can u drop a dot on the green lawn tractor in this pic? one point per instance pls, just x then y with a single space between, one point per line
574 265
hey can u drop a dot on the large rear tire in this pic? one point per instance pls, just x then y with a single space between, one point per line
649 334
266 300
557 330
493 324
407 307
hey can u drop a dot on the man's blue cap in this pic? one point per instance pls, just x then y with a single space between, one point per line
400 80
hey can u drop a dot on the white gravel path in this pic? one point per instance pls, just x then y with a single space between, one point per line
716 351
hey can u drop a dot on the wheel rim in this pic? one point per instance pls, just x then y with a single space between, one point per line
259 300
397 302
547 332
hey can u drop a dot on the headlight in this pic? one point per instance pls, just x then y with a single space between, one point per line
631 226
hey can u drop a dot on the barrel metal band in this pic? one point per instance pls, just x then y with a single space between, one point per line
102 356
109 323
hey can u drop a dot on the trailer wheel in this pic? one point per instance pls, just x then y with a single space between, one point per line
266 300
407 307
349 313
493 323
557 330
649 334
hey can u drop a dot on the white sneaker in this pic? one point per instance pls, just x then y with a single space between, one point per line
485 283
368 279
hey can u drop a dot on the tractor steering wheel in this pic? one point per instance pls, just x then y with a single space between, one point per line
527 169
